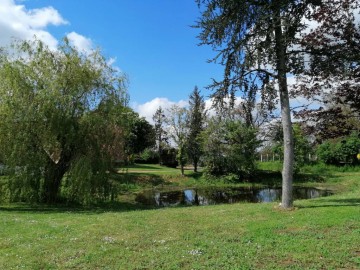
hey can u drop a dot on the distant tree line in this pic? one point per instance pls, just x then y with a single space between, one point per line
65 123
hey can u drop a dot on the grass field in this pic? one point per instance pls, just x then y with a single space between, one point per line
321 233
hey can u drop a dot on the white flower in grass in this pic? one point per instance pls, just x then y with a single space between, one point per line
160 241
196 252
109 239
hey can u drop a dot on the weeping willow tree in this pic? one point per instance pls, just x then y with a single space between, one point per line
61 121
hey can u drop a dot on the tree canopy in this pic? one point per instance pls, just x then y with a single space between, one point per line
178 131
61 121
331 76
261 42
160 133
141 136
196 126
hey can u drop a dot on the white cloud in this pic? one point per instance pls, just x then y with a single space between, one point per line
17 22
211 111
112 62
80 42
149 108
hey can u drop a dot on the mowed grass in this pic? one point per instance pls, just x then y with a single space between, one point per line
158 170
150 169
321 233
136 177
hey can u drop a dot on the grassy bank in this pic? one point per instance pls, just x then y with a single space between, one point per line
322 233
139 176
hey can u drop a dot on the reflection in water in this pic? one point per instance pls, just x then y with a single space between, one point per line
268 195
219 196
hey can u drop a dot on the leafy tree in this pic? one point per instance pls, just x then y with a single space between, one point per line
169 156
258 43
229 148
213 147
302 146
160 133
340 151
141 136
332 120
178 132
149 155
196 125
252 114
60 114
334 68
241 143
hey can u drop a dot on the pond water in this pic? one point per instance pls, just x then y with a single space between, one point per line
210 196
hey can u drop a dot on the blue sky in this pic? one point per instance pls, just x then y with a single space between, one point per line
152 41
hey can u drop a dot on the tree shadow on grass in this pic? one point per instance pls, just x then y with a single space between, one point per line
334 203
274 178
139 179
59 208
195 175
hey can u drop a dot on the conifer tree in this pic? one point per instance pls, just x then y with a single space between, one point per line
196 125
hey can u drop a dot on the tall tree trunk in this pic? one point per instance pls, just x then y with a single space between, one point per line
288 165
182 170
195 165
160 150
54 173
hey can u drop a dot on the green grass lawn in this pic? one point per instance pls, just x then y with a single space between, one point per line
139 176
154 169
321 233
150 168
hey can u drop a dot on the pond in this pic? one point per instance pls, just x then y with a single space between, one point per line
210 196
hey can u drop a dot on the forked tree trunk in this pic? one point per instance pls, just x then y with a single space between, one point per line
53 176
288 165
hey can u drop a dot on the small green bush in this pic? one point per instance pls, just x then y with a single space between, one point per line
148 156
340 151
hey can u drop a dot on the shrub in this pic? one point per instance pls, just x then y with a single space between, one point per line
168 157
340 151
229 149
148 156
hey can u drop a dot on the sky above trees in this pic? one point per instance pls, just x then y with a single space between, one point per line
151 41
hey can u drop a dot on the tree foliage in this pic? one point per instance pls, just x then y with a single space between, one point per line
331 76
331 120
260 43
141 136
148 156
340 151
60 118
160 132
196 126
229 148
178 131
302 145
253 38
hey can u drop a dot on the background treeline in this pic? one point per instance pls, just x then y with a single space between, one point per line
66 128
225 143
